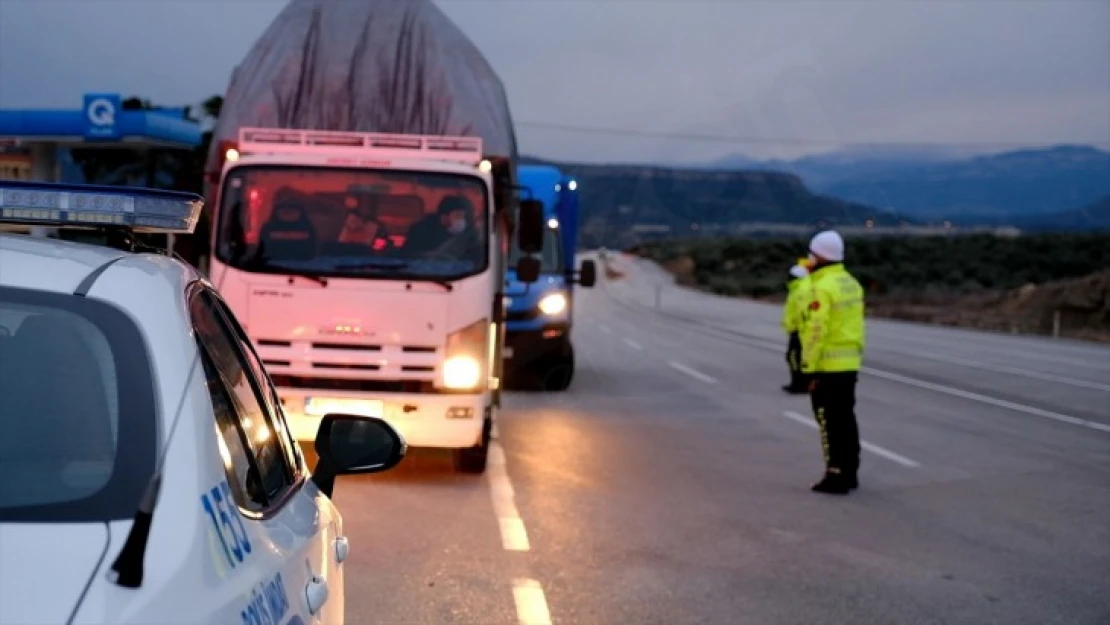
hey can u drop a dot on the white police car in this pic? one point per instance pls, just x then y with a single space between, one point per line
148 473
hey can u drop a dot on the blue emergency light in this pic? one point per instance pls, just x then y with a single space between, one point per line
135 209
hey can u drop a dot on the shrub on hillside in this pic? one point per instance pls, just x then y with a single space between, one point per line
891 265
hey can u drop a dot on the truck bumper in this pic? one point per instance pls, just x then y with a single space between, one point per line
424 420
525 347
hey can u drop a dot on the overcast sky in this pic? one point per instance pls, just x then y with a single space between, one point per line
997 72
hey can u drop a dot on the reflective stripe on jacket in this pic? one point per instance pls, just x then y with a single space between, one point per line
833 334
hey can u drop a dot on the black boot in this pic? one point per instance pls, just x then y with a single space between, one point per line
797 386
833 484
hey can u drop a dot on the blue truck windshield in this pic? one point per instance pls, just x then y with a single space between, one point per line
552 257
361 223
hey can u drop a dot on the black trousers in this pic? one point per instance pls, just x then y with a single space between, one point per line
834 406
794 361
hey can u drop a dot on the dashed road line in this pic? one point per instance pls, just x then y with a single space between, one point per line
939 388
875 449
531 605
633 344
693 373
528 595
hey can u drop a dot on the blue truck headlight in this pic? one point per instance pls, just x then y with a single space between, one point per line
553 304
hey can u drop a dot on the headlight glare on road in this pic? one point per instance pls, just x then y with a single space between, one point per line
553 304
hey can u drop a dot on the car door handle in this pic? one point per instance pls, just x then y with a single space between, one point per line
316 593
342 548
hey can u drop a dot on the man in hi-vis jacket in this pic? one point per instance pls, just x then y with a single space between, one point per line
833 338
797 299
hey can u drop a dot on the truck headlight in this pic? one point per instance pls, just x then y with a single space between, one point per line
553 304
467 354
461 372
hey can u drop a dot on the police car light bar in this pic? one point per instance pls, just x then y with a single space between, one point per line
97 206
328 142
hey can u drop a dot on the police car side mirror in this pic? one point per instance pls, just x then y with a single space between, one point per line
587 275
350 444
528 269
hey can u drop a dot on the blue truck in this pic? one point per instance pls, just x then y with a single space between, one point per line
540 315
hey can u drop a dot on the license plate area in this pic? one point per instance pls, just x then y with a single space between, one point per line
320 406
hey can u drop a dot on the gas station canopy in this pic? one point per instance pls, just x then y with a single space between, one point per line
100 123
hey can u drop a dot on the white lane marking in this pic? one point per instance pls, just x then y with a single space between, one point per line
693 373
1048 377
633 344
1001 403
875 449
955 392
531 605
513 535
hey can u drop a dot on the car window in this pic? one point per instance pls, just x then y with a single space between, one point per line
259 432
272 403
77 410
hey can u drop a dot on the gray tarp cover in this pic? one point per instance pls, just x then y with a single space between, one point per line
369 65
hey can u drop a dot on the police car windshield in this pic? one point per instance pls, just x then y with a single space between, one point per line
361 223
552 257
77 409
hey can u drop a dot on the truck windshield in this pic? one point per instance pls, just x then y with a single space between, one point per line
361 223
77 409
551 260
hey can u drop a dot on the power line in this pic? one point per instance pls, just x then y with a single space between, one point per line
734 139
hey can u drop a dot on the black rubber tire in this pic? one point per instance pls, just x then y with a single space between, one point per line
561 373
473 459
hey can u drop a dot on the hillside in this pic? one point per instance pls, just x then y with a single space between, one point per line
992 189
1080 307
615 199
1005 284
914 267
1095 216
852 163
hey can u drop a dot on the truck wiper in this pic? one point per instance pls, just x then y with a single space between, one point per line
374 264
397 264
322 281
443 283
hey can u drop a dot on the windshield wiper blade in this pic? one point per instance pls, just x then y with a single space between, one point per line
322 281
399 264
443 283
374 264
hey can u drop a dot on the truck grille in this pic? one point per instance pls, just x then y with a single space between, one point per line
522 315
362 386
349 360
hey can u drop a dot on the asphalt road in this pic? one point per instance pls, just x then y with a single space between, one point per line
670 484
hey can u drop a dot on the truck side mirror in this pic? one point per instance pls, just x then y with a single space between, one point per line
528 269
587 275
530 232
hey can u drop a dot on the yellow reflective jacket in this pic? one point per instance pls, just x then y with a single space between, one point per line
833 334
796 301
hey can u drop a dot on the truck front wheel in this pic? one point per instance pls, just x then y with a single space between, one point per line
561 372
473 459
